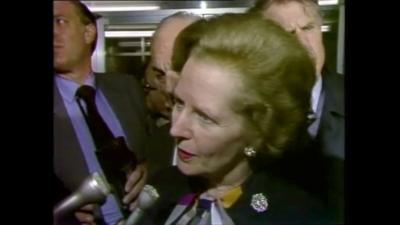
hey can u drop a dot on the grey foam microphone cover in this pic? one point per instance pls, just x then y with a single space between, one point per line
94 189
147 198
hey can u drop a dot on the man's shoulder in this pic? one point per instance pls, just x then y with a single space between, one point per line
116 79
114 76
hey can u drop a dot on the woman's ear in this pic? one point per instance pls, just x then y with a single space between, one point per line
172 80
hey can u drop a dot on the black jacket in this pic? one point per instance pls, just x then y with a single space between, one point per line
286 204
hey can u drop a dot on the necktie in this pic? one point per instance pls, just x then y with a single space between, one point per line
98 128
113 154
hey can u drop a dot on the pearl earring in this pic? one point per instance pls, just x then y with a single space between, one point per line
249 151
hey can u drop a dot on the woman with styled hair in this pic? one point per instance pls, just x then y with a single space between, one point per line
241 101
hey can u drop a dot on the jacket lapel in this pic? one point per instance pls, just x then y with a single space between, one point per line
334 98
68 160
123 105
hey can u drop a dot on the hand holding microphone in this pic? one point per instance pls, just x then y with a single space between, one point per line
93 190
147 198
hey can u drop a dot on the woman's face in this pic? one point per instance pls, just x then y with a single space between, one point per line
210 135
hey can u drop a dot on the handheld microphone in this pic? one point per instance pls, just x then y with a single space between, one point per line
94 189
147 198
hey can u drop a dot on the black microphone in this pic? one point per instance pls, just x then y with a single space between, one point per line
94 189
147 198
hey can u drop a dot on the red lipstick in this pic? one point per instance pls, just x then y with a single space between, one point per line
184 155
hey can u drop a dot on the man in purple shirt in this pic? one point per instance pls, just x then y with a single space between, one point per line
120 103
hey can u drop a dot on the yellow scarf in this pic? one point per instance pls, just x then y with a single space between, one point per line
231 197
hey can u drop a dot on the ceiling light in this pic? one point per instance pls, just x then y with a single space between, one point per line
325 28
121 8
203 5
123 34
328 2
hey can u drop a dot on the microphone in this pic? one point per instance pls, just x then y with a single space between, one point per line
147 198
94 189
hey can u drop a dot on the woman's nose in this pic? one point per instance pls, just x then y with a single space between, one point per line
180 127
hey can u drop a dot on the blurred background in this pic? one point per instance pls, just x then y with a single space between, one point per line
126 28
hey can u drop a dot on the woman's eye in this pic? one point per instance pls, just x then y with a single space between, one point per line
178 105
204 118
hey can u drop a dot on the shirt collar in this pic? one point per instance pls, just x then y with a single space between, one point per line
68 87
316 92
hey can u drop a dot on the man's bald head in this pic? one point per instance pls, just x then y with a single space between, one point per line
162 45
165 35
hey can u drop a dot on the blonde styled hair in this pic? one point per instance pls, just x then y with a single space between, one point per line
275 70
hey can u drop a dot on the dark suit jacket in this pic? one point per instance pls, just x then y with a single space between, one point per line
330 141
287 204
125 97
330 137
162 148
319 168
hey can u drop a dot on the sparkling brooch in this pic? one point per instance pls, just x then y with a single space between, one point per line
259 202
